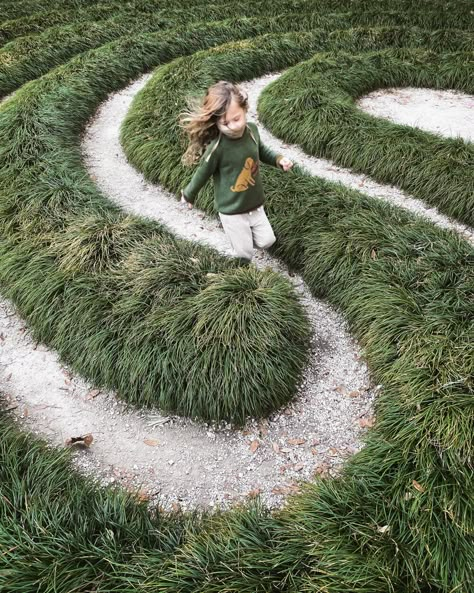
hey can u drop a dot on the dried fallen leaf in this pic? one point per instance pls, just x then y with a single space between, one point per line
340 389
314 451
176 507
322 470
383 529
287 412
280 490
92 394
151 442
276 447
298 467
367 422
86 440
333 451
354 393
418 486
373 254
25 412
296 441
290 489
254 445
143 496
254 493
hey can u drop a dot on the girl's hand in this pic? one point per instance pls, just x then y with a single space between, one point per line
285 163
184 201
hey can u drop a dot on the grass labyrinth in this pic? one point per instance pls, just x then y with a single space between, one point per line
130 306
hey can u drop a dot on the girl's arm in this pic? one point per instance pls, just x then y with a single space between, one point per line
207 166
266 154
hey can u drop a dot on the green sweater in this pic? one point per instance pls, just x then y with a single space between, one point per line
234 166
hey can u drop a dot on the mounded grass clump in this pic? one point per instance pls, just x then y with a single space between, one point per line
313 105
164 322
400 518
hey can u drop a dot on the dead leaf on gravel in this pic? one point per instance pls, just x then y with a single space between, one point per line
322 470
151 442
254 445
314 451
367 422
296 441
340 389
354 393
254 493
276 447
290 489
298 467
85 440
143 496
92 394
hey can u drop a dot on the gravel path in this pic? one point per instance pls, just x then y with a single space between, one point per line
175 460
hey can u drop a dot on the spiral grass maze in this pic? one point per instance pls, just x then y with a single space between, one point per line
400 516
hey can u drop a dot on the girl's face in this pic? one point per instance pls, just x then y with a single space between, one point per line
233 122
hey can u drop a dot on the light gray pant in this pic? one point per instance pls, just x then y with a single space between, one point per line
246 230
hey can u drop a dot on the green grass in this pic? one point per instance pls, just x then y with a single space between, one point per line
319 114
60 42
405 287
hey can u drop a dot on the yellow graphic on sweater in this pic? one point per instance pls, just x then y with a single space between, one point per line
246 176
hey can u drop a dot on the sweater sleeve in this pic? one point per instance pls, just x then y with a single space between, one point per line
266 154
207 166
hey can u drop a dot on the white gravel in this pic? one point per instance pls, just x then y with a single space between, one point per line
421 108
182 462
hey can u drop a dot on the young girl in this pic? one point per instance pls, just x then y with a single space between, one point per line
232 151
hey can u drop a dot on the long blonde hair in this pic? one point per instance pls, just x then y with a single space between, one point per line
199 121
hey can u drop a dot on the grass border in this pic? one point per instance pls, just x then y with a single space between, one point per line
434 169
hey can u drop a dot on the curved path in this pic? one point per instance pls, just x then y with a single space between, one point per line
181 461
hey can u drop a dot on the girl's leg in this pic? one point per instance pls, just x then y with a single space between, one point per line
263 235
238 232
